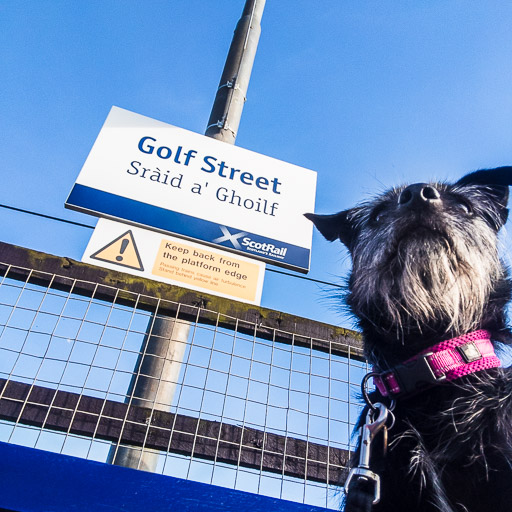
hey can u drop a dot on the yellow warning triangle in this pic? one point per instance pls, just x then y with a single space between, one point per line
121 251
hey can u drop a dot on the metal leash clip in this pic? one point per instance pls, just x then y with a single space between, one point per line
375 421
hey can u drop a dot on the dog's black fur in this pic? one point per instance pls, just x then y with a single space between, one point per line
425 268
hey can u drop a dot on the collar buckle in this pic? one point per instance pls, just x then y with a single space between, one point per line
415 375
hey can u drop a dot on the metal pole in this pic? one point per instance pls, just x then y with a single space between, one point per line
159 364
153 383
231 94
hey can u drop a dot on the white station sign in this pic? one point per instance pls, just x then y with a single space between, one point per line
155 175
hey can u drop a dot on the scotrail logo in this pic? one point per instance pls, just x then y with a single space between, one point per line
228 237
249 245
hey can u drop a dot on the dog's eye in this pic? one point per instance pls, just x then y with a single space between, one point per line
377 214
464 206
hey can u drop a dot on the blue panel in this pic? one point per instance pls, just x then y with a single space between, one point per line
38 481
95 201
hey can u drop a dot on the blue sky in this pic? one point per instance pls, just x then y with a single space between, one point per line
367 93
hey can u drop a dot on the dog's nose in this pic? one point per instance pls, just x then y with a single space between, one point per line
418 193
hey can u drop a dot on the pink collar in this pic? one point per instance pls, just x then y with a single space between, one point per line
445 361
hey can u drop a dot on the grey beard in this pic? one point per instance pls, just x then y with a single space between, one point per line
429 281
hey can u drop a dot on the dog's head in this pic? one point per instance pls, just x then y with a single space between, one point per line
425 259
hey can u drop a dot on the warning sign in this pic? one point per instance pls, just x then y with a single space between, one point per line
172 260
210 270
121 251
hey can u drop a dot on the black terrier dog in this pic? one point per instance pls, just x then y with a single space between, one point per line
430 293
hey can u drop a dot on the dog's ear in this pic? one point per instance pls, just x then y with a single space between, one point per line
496 182
334 226
500 176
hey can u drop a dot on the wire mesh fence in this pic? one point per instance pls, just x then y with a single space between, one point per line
235 403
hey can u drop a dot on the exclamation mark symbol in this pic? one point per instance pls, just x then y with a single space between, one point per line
124 245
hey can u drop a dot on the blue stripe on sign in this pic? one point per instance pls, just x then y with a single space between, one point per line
250 244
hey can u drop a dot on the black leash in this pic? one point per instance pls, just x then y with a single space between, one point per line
361 496
362 487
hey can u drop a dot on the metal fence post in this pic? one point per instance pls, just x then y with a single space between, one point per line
154 382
